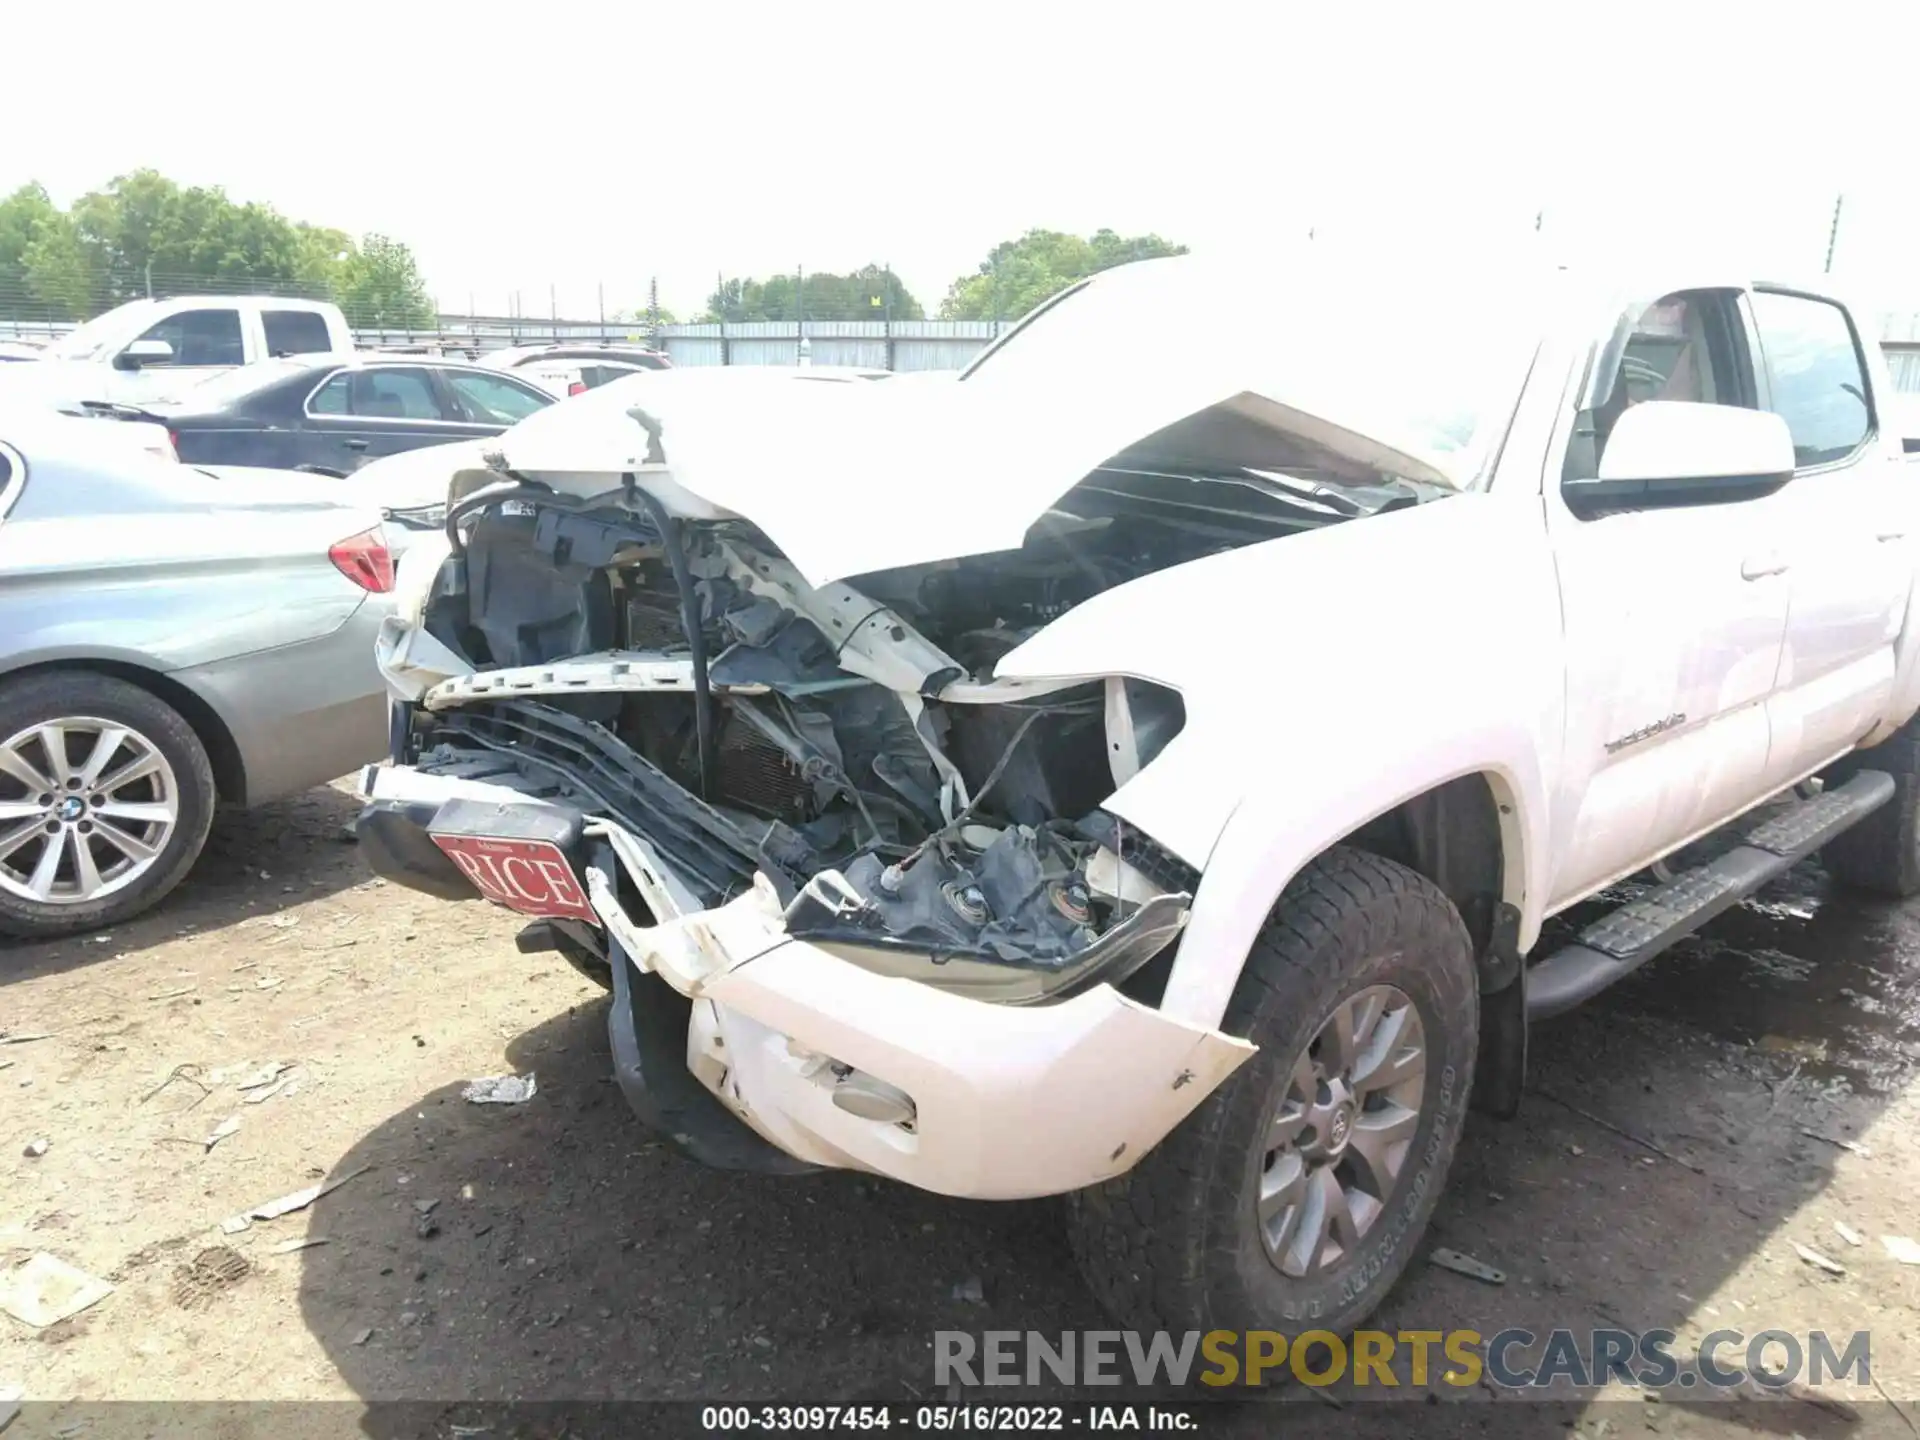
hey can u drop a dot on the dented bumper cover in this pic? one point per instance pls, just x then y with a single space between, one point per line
839 1066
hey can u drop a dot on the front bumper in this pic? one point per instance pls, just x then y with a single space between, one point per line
841 1067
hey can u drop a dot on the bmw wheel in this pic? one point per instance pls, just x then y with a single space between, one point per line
106 795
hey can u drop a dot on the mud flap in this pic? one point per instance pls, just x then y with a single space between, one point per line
1500 1069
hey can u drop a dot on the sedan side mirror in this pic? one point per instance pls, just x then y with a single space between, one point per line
144 352
1682 452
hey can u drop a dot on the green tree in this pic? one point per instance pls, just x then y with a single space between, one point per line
21 215
33 228
873 292
143 229
59 273
1018 274
380 285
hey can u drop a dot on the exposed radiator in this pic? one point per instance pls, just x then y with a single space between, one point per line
752 773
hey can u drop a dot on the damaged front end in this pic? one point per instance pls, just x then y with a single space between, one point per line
681 681
876 884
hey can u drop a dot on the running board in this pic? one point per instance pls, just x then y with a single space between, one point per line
1619 943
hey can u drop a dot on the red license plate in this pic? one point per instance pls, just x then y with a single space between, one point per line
531 876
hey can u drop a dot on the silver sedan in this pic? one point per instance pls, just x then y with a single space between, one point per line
170 638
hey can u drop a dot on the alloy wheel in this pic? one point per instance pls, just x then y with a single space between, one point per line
1341 1134
87 806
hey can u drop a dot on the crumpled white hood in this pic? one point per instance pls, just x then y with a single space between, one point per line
852 477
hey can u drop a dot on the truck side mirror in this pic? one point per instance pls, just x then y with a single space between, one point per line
142 353
1683 452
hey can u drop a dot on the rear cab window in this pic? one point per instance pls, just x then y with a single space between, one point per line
296 332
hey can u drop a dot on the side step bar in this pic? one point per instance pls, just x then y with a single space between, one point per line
1619 943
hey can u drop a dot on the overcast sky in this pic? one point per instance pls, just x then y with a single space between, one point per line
580 145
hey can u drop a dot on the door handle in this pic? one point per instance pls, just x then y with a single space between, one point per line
1888 536
1758 567
354 444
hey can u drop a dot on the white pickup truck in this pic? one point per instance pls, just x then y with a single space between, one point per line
151 350
1147 783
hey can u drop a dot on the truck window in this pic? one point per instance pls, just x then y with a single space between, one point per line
296 332
1815 377
1689 345
202 337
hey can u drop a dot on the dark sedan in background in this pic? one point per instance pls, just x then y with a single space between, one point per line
331 414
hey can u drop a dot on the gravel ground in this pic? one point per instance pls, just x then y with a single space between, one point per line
555 1251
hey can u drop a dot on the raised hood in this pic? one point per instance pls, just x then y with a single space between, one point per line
849 478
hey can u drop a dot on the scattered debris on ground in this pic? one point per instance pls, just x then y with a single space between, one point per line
1852 1146
501 1089
1817 1260
224 1129
47 1290
1466 1265
287 1204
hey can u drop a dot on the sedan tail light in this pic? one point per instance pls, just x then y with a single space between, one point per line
365 560
578 387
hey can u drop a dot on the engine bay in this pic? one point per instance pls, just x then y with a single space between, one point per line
847 741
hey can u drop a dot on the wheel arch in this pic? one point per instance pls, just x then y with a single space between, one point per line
223 752
1473 833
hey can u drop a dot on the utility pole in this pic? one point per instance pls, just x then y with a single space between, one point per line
803 350
1833 233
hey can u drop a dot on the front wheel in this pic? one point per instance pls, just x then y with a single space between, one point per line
1293 1197
106 796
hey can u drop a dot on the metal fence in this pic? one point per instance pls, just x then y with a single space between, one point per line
903 345
868 344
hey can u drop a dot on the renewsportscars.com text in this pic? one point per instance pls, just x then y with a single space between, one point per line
1512 1359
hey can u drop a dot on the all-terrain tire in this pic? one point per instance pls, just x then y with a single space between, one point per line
1174 1243
37 699
1881 854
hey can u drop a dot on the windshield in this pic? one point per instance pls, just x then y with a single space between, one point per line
1430 364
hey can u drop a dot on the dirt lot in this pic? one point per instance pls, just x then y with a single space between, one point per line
552 1250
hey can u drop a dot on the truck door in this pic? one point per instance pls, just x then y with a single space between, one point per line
1845 542
1674 616
199 343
